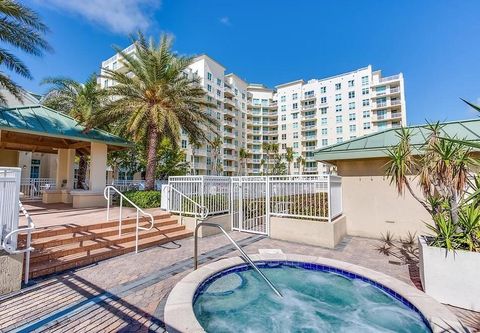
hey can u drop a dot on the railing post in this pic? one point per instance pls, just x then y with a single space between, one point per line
136 235
108 204
267 203
120 218
329 198
202 184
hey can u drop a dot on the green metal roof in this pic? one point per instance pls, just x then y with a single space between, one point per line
41 120
377 144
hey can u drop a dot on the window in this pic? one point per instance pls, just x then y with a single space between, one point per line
295 106
338 97
295 135
338 108
284 137
339 129
283 108
338 119
351 94
284 117
339 139
324 121
338 86
184 144
294 96
323 90
351 105
219 93
351 83
365 91
243 95
219 83
295 125
364 80
353 128
209 88
366 102
309 94
284 127
295 115
283 98
284 146
324 131
324 142
366 126
323 110
352 116
295 145
366 114
209 76
323 100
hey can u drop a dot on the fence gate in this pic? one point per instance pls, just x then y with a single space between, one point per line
249 209
9 196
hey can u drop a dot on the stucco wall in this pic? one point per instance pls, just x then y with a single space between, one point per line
11 267
223 220
372 205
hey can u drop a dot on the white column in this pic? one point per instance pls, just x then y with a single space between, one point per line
65 168
98 166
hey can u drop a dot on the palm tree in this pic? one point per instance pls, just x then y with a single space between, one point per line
195 145
301 163
289 157
243 154
216 148
21 28
155 97
267 147
80 101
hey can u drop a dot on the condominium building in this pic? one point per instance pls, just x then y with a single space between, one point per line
304 115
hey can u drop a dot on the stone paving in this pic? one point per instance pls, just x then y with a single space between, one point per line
127 293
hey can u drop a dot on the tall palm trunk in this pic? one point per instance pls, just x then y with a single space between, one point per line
82 172
152 142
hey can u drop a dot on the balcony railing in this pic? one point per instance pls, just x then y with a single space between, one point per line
390 78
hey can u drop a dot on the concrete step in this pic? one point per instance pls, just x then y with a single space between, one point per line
87 245
52 241
75 228
70 261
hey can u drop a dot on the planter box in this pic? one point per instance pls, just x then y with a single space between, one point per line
309 232
450 277
223 220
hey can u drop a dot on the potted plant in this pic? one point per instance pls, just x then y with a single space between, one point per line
445 169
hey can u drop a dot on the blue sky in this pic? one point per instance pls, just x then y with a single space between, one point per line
434 43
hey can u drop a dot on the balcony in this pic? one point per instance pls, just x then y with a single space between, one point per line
386 104
396 115
309 116
390 78
309 138
254 160
229 101
309 107
229 168
227 134
309 148
310 169
309 97
309 128
270 132
228 123
229 145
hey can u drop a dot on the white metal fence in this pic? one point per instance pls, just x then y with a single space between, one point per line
32 188
9 195
137 185
252 200
212 192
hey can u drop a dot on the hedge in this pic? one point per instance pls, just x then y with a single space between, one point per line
143 199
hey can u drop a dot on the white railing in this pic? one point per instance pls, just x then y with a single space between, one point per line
108 197
138 185
305 196
32 188
6 245
389 78
213 192
183 204
9 197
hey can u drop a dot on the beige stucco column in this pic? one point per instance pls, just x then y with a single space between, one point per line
98 166
65 168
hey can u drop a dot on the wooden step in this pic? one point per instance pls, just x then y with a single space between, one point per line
74 228
85 258
87 245
51 241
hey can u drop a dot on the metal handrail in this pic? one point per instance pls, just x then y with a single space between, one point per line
30 227
106 194
203 209
244 255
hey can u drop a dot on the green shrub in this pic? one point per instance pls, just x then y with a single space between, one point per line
143 199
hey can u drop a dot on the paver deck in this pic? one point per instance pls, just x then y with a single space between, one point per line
127 293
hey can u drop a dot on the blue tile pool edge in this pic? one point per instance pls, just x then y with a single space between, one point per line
308 266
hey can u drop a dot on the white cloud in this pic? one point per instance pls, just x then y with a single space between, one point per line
225 21
121 16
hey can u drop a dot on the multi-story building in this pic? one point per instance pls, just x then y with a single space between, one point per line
298 114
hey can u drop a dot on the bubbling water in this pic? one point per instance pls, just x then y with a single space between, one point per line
314 301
